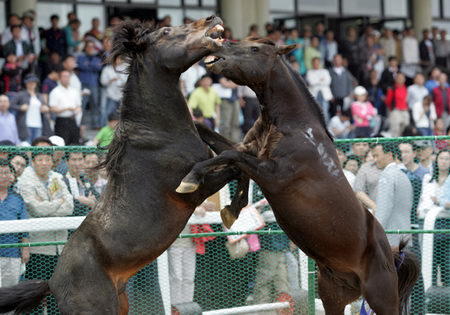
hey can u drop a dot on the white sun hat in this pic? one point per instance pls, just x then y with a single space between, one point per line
360 90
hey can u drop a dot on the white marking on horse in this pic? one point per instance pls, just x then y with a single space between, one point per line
326 158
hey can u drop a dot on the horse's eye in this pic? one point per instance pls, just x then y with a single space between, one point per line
254 49
166 31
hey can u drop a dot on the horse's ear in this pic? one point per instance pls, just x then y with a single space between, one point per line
285 49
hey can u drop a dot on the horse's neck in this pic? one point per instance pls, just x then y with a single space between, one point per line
153 97
283 102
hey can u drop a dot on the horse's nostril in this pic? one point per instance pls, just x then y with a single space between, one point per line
210 18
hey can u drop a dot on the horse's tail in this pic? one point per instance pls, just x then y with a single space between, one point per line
408 271
23 297
215 141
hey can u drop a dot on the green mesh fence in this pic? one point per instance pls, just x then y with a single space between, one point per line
260 269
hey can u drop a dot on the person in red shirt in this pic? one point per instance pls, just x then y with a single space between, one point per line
441 97
397 103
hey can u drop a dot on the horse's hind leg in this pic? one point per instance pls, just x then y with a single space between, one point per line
334 296
380 289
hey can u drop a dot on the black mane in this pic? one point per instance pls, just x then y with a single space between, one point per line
309 98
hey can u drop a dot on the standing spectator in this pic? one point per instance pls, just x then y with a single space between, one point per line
312 51
50 82
363 112
340 126
19 47
12 207
350 167
65 102
319 81
94 34
408 157
12 74
70 63
417 91
375 93
30 33
32 111
329 48
350 50
250 107
106 134
366 183
229 109
90 65
45 195
433 80
396 101
73 36
442 47
410 48
13 20
307 35
395 195
388 44
83 191
182 257
441 97
113 78
426 50
425 154
8 126
53 60
207 100
55 38
190 77
360 149
389 74
424 114
341 84
298 53
91 161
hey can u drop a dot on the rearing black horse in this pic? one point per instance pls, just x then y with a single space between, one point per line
291 156
140 214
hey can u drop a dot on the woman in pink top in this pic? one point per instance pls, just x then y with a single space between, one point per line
362 113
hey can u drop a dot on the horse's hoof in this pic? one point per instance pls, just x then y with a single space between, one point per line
227 217
186 188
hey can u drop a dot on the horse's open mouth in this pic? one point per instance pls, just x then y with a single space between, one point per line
210 60
215 33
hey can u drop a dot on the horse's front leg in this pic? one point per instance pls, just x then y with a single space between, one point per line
253 167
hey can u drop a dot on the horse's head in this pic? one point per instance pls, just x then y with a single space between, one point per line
247 62
172 48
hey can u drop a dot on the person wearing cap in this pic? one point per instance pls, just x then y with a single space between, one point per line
30 34
32 111
207 100
362 112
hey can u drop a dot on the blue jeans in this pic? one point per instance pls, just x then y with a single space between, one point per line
33 133
325 106
91 107
426 131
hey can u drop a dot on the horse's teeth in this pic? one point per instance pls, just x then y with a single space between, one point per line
210 59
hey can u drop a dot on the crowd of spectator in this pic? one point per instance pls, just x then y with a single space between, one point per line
55 87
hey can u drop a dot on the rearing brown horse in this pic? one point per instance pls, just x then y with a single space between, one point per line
291 156
140 214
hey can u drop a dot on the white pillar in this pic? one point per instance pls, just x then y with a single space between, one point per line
20 6
239 15
422 16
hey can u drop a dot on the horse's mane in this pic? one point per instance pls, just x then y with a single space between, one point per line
129 39
309 98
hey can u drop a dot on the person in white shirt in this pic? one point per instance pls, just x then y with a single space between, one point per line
410 48
113 78
189 78
417 91
319 81
30 33
65 102
340 126
424 115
